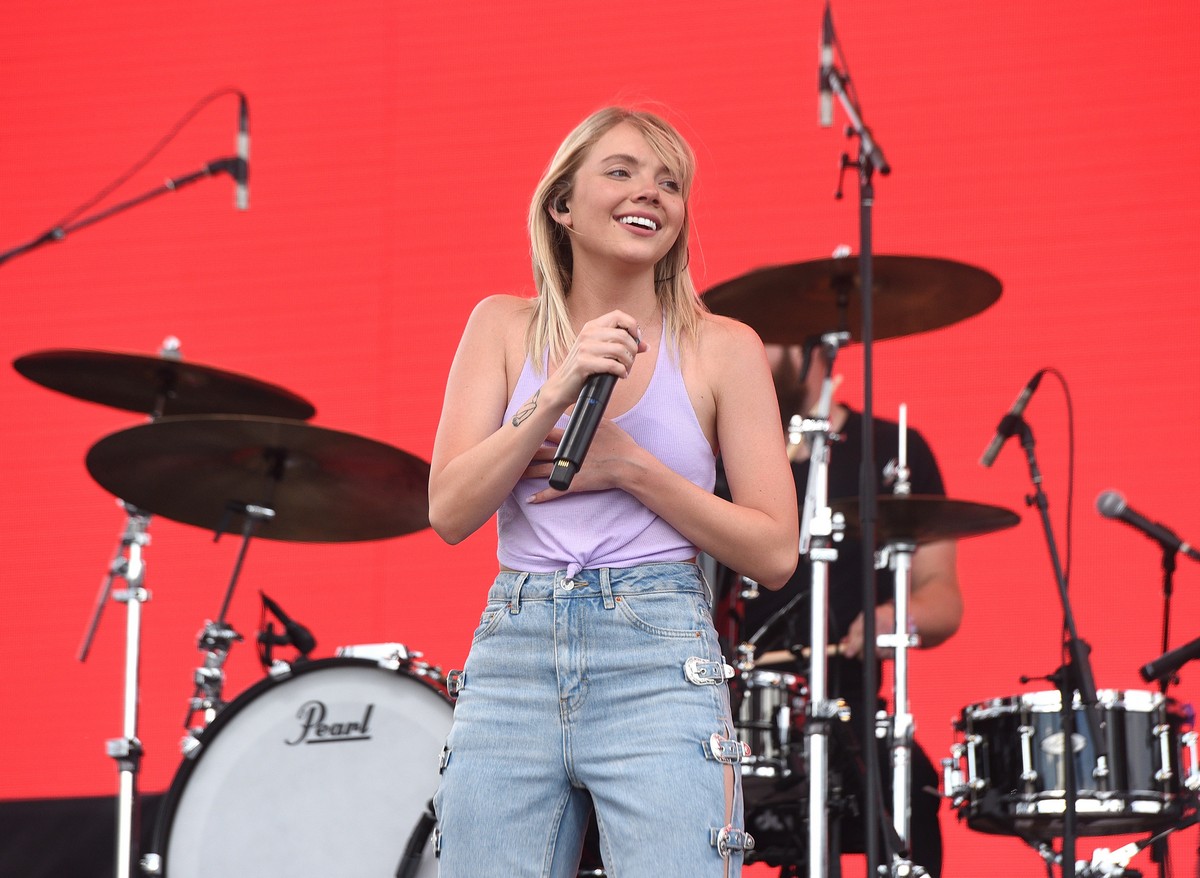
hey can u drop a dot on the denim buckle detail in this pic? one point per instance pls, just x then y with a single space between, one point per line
727 840
705 672
725 750
444 759
455 681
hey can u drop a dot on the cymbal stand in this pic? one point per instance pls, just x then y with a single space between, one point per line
127 564
897 555
818 532
216 637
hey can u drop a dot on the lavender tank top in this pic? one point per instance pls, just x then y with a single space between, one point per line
609 528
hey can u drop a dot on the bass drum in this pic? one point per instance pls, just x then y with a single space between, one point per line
325 771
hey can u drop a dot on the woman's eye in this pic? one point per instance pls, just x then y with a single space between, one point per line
673 185
618 172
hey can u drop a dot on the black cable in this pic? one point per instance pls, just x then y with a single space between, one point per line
171 134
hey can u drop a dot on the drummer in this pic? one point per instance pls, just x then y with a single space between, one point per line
935 608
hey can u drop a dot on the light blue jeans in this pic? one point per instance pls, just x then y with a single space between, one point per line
609 684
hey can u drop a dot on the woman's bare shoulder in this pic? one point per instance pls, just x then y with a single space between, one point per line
725 337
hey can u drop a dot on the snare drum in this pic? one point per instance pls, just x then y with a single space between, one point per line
769 718
1012 761
325 770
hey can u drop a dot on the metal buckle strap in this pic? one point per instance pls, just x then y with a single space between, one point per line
455 681
706 672
725 750
727 840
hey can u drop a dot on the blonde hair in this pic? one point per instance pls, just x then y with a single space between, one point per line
549 328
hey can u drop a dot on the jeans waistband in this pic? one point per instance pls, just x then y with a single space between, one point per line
665 577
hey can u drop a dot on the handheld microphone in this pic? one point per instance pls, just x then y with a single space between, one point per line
825 62
1111 504
299 636
1007 424
241 168
581 429
1169 662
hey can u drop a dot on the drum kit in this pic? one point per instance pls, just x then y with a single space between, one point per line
1135 763
225 452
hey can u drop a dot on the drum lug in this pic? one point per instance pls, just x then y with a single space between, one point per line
1192 782
882 725
1163 732
279 670
974 781
952 778
1028 773
190 744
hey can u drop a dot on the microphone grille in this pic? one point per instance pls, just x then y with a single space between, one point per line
1110 504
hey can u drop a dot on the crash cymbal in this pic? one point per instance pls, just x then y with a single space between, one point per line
324 485
140 383
787 304
923 519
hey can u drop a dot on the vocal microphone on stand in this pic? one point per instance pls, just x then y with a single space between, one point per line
295 634
825 65
241 165
1165 666
1111 504
1008 424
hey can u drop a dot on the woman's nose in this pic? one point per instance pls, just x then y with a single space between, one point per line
648 191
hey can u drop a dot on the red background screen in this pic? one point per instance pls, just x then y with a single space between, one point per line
395 147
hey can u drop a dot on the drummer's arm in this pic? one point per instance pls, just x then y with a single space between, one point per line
935 604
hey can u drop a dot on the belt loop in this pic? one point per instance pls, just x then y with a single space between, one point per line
606 588
514 604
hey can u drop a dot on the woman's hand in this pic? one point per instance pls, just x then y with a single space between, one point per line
607 345
610 449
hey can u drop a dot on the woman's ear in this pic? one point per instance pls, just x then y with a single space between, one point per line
560 212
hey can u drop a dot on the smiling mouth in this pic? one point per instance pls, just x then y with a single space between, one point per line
640 222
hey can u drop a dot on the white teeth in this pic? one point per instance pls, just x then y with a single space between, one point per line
641 222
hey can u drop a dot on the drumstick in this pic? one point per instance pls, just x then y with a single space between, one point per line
778 656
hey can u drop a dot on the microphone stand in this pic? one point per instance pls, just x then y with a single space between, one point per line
1168 579
1159 852
229 165
1075 675
869 160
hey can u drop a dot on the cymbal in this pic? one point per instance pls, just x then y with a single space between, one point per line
142 383
923 519
787 304
325 486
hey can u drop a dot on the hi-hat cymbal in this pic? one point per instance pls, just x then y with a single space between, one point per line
915 518
140 383
325 486
787 304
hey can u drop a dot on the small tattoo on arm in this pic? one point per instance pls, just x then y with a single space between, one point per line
526 410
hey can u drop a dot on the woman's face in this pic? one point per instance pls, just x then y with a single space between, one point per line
625 204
